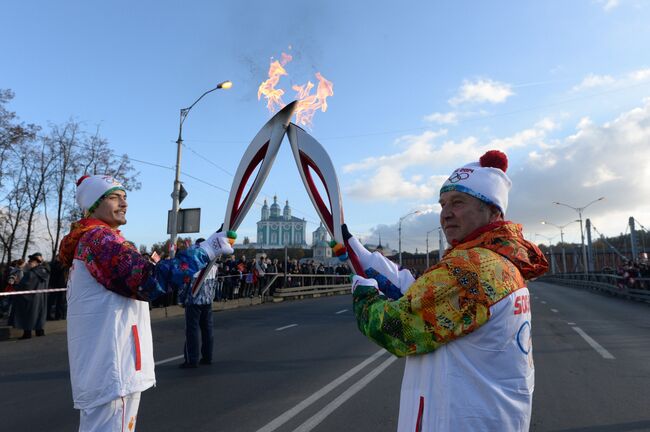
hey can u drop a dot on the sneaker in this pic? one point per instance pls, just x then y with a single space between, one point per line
187 366
40 332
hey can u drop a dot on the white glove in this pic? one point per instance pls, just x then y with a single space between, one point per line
402 279
361 281
219 243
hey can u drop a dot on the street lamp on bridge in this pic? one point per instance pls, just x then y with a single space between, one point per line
176 193
582 234
561 228
429 232
400 233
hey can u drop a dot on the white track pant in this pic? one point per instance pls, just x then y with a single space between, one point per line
115 416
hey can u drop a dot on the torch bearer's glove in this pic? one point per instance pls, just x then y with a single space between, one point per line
219 243
393 282
359 282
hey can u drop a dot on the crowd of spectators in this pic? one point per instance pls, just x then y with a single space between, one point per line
634 275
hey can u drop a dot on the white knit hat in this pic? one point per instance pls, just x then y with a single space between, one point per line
90 189
485 180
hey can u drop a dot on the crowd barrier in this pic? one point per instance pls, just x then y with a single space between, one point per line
271 286
634 289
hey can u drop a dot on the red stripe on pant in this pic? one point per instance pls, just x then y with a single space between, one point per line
136 342
418 424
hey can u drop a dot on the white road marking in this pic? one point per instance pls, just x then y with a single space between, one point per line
171 359
571 323
285 327
317 418
554 310
340 312
595 345
543 302
291 413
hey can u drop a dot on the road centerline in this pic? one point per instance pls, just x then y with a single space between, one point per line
321 415
340 312
289 414
286 327
595 345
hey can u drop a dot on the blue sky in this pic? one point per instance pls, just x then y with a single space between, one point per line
419 89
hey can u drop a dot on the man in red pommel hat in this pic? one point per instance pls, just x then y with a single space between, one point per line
110 347
465 325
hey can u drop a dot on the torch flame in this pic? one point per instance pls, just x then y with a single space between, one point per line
273 96
308 103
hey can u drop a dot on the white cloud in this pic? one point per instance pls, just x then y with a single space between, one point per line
385 178
610 4
607 159
601 174
482 90
442 118
593 81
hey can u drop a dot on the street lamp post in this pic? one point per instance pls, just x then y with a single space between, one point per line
428 232
561 228
582 234
400 233
550 247
177 182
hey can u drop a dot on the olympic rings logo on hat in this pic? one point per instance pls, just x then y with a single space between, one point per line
458 176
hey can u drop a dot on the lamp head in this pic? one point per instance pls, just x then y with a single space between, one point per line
225 85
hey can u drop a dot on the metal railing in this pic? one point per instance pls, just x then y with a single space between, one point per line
631 288
243 285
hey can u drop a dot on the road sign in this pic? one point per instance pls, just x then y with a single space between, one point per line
188 221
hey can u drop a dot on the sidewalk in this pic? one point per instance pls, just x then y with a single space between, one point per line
8 333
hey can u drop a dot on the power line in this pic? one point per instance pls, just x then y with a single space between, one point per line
206 183
487 117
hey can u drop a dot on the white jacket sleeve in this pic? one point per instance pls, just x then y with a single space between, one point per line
392 281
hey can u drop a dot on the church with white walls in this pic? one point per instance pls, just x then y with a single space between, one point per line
277 230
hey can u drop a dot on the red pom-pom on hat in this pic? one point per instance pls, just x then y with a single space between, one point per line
82 178
494 159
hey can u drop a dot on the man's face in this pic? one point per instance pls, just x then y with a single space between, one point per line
112 209
461 214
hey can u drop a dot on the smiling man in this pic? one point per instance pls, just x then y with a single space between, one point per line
465 324
110 347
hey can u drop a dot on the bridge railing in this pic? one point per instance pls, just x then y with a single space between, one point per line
632 288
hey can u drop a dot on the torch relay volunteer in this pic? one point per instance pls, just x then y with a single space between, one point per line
110 345
465 325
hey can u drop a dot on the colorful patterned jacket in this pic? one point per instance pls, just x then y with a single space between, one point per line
110 347
465 327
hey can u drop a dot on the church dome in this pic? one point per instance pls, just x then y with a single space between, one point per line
275 207
287 211
265 211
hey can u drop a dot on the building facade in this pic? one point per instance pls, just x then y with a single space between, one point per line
277 230
320 245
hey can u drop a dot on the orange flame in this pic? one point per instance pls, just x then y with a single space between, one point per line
273 96
308 103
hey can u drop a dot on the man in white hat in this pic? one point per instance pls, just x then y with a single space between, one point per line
465 324
110 346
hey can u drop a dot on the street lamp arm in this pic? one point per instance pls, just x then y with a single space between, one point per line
596 200
565 205
186 111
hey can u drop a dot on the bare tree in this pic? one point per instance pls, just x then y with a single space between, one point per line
12 132
37 162
13 212
64 142
99 158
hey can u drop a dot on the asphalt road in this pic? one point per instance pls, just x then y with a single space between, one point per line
304 366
